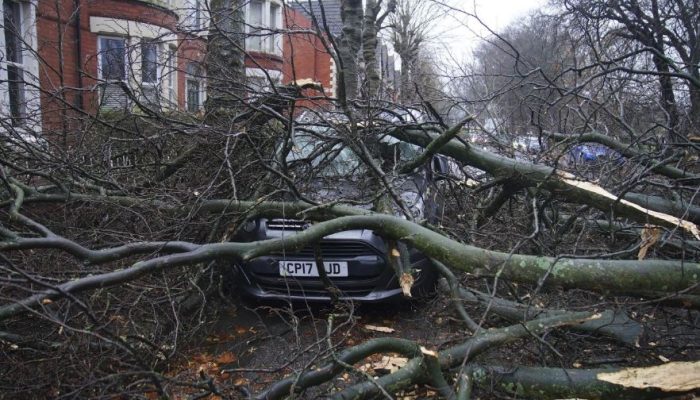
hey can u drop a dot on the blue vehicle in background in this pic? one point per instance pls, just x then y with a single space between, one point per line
593 153
593 161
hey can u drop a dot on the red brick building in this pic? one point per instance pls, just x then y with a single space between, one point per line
305 55
63 59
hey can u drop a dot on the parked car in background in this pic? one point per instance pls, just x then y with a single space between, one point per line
593 152
355 261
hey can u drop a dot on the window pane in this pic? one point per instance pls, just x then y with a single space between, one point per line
149 61
112 57
256 13
197 14
275 18
193 69
192 95
12 23
16 93
255 21
171 75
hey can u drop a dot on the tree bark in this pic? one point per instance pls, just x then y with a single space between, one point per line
352 16
563 184
225 59
615 276
560 383
369 48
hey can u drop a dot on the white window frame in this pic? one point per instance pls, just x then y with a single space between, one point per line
29 67
152 92
274 41
171 80
103 81
195 16
270 42
133 32
255 40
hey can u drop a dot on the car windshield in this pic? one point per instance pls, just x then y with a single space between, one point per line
339 160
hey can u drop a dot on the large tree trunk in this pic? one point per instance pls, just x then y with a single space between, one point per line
369 49
225 60
352 15
563 184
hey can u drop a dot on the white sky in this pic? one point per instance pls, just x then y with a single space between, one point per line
458 33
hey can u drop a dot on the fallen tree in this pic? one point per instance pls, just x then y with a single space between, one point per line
606 276
118 247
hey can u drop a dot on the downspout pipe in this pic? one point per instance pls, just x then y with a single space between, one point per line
79 53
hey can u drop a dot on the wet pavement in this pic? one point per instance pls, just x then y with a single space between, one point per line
261 343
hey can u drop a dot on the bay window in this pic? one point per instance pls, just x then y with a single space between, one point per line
134 58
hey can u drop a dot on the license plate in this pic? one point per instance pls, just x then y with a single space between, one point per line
309 268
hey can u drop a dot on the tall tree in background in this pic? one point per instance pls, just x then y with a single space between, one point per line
352 14
410 26
667 32
525 68
374 18
225 60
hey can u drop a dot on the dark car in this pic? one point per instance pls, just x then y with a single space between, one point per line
356 261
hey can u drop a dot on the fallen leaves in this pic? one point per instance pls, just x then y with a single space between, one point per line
205 365
226 358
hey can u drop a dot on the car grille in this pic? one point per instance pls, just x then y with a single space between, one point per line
295 290
333 249
314 287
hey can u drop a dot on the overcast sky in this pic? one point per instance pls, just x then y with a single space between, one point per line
462 33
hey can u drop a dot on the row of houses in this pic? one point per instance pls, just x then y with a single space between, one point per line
63 59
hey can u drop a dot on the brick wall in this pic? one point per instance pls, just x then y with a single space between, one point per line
305 56
67 51
68 54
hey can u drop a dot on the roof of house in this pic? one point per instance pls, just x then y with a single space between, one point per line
330 13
